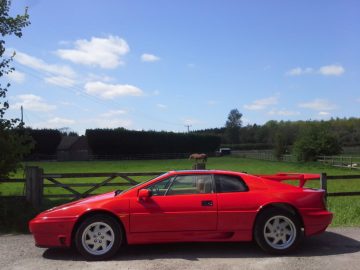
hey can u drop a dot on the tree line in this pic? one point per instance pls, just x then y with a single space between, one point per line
347 131
305 139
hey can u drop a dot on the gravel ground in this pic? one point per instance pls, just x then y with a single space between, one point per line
338 248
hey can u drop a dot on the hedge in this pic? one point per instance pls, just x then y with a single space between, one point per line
128 142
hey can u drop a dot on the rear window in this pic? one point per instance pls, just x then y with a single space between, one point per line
229 183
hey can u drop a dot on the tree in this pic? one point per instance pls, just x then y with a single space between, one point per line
280 146
14 142
233 125
314 141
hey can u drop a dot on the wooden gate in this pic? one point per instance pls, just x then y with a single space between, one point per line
38 182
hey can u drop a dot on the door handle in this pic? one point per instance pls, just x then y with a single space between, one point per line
207 203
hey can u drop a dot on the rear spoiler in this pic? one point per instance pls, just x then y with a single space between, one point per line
302 177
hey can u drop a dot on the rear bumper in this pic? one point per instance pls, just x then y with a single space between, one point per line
316 221
52 232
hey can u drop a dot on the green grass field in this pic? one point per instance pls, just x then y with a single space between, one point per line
346 209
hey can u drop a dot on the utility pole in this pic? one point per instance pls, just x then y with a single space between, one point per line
188 127
22 115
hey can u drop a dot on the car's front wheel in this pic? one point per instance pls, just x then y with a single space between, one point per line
98 237
277 231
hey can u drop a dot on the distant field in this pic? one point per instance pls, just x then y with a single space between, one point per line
347 209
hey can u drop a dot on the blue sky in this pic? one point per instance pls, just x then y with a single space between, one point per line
162 65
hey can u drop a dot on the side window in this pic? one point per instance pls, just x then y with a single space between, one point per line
229 183
191 184
160 188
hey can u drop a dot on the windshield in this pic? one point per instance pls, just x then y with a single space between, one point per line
161 175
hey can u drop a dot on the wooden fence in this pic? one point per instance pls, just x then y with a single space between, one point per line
36 180
324 184
350 162
264 155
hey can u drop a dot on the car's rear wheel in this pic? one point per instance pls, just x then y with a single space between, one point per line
277 231
98 237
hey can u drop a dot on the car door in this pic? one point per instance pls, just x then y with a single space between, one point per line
178 203
237 206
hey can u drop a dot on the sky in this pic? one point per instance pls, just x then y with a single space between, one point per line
163 65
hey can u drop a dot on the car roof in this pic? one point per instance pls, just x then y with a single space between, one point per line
205 172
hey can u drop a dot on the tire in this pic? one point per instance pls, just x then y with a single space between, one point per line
277 231
99 237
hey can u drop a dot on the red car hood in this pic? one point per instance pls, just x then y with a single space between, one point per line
96 198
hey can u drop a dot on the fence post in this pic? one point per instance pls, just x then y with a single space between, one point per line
34 185
323 183
199 166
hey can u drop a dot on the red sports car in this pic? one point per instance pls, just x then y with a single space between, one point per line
189 206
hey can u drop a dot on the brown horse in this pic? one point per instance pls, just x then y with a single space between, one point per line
198 157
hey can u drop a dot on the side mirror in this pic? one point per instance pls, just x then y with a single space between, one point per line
144 194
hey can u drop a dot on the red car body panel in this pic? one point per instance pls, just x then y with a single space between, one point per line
181 218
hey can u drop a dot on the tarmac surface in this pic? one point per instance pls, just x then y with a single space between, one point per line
338 248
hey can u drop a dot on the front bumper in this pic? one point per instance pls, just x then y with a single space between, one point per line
52 232
316 221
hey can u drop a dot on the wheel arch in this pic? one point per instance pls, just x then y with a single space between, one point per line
280 205
94 212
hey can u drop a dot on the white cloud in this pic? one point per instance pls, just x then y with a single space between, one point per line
55 122
110 91
161 106
283 112
211 102
110 119
146 57
318 105
111 123
58 122
332 70
16 76
32 103
191 121
60 81
261 104
102 52
324 113
299 71
245 121
40 65
329 70
112 113
97 77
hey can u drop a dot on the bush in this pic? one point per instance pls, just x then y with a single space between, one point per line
315 141
14 145
15 213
